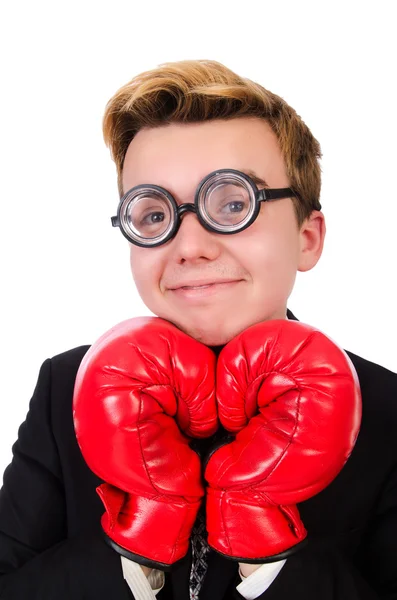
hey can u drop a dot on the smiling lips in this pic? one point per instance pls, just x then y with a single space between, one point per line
201 289
196 285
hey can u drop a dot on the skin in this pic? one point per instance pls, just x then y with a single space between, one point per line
263 260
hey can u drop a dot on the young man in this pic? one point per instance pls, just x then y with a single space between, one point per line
216 259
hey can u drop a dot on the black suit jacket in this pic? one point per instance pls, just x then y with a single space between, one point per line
51 545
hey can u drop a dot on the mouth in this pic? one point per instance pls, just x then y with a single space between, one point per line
202 290
199 285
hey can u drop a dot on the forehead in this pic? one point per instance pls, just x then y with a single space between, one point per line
177 156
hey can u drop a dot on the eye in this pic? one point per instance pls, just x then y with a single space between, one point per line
234 206
149 215
152 218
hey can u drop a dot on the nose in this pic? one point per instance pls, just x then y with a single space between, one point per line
193 243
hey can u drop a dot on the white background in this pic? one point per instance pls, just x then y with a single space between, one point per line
64 271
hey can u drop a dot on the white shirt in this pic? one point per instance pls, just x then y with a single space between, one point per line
146 588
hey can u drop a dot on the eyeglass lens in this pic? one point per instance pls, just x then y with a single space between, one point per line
226 204
150 214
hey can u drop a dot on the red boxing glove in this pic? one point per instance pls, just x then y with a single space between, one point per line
294 398
141 389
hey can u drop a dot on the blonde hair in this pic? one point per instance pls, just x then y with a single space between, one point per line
200 90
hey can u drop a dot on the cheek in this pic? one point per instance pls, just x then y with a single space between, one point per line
272 259
145 269
273 249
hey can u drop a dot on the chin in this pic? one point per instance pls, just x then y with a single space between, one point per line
217 330
210 335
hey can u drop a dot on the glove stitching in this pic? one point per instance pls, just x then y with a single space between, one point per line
266 498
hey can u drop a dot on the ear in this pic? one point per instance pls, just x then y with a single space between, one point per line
311 234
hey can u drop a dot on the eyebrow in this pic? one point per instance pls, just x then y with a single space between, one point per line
255 178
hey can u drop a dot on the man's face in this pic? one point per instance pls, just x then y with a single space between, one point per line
213 286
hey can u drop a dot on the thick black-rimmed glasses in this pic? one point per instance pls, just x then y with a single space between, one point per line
226 201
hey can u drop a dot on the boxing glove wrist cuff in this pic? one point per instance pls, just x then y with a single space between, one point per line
251 530
151 528
265 559
141 560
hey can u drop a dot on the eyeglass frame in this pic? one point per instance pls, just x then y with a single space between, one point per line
259 195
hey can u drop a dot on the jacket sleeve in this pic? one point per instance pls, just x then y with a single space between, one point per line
331 575
310 575
36 559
